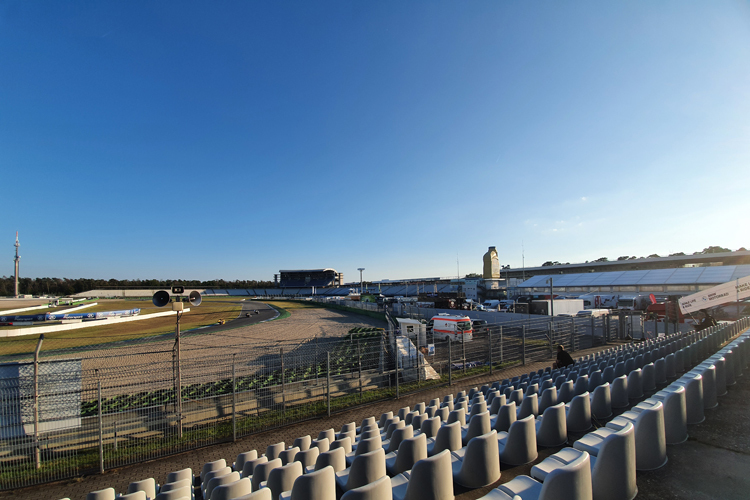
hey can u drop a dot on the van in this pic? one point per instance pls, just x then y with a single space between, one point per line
451 327
596 313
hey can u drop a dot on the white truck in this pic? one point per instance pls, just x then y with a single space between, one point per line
451 327
567 307
490 305
635 302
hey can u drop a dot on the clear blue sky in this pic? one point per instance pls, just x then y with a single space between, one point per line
229 140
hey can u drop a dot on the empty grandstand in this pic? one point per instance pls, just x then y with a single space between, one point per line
309 277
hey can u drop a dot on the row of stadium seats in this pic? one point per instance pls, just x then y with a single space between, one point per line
420 453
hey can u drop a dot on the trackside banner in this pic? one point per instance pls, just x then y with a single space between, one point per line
717 295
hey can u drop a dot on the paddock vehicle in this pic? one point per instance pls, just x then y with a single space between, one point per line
451 327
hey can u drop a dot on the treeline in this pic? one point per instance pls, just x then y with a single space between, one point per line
67 286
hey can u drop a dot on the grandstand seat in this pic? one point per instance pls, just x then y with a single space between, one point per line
239 463
318 485
303 443
287 456
650 440
207 467
505 417
261 472
249 466
365 446
478 425
409 451
477 464
230 491
215 481
430 479
336 458
601 402
398 435
146 485
619 392
104 494
136 495
448 438
430 427
345 443
365 469
551 428
376 490
273 450
282 478
308 457
322 445
529 406
578 413
518 445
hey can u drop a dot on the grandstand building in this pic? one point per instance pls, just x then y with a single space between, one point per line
309 277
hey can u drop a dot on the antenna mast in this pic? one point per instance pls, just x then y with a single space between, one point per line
16 261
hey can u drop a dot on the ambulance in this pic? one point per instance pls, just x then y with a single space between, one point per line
455 328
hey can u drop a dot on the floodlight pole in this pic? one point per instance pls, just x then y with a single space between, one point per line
178 389
361 289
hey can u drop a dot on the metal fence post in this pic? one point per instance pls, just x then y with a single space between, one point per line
572 334
234 400
283 388
501 344
463 353
549 336
101 425
37 451
450 363
593 326
328 382
398 390
359 362
523 344
489 342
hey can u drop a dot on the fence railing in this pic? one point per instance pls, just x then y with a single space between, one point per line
59 419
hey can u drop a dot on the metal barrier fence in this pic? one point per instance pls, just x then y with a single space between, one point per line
59 420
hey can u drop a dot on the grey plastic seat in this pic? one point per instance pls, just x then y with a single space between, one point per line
136 495
274 450
365 446
368 434
578 413
601 402
478 465
595 380
430 479
261 472
317 485
348 427
693 384
148 486
303 443
384 417
457 415
210 466
329 434
403 411
365 469
180 474
529 406
376 490
496 403
448 438
398 435
566 392
239 463
650 440
366 422
430 427
648 375
352 435
282 478
581 385
308 457
551 428
442 413
430 411
420 407
417 421
564 480
619 392
400 424
207 478
675 413
516 396
345 443
608 374
409 452
613 462
217 481
232 490
410 416
249 465
710 399
261 494
105 494
660 371
321 444
336 458
477 426
548 398
518 445
183 483
635 384
287 456
477 408
178 494
505 417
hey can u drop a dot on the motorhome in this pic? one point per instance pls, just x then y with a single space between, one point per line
453 327
635 302
599 301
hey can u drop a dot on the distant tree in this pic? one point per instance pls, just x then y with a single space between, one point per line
473 275
624 257
632 258
551 263
653 255
742 249
676 254
602 259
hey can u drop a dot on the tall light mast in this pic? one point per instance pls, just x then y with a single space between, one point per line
16 260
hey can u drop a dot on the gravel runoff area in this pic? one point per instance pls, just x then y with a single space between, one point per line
712 464
302 325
